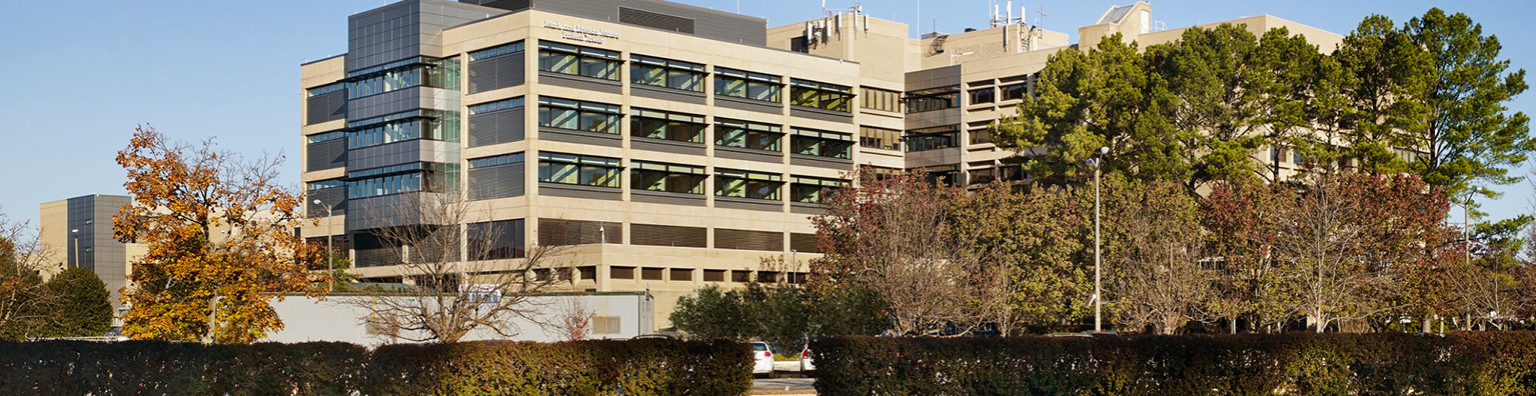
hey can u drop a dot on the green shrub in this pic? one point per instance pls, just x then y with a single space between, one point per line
637 367
1300 363
640 367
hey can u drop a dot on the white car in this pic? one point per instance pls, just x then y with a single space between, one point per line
806 364
762 358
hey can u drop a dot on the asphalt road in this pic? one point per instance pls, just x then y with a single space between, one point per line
784 386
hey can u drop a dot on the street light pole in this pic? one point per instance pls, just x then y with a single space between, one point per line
330 252
1466 232
1098 293
75 233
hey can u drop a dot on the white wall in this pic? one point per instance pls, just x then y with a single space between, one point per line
341 318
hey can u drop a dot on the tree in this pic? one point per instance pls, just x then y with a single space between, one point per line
779 316
1035 242
1383 75
1159 279
218 232
1216 100
574 319
81 307
1089 99
1321 242
459 285
847 311
711 313
893 236
24 302
1467 139
1402 222
1242 219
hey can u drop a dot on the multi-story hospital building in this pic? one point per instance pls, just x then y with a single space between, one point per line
672 146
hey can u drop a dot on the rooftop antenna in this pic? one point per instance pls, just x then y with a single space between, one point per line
1040 19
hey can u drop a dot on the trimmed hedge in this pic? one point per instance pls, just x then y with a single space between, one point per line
1296 363
637 367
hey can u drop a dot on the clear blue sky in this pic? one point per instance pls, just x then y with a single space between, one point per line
81 75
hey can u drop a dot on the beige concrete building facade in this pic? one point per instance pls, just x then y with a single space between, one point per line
669 146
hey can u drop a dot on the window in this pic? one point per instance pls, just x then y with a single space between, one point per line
880 138
932 138
666 125
1014 87
486 162
513 103
1015 91
744 134
744 184
813 189
606 324
668 73
495 240
943 174
324 184
496 51
389 81
983 175
325 89
747 85
933 99
403 178
880 99
578 61
821 143
655 176
577 115
820 95
384 185
579 169
414 72
326 137
981 136
433 125
983 95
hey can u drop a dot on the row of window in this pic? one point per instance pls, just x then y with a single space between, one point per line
397 179
442 126
424 71
820 95
655 176
668 73
990 94
688 76
604 118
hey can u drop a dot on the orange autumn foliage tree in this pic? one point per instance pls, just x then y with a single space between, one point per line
219 237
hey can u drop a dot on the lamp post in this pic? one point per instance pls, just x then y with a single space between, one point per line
330 253
1098 296
75 233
